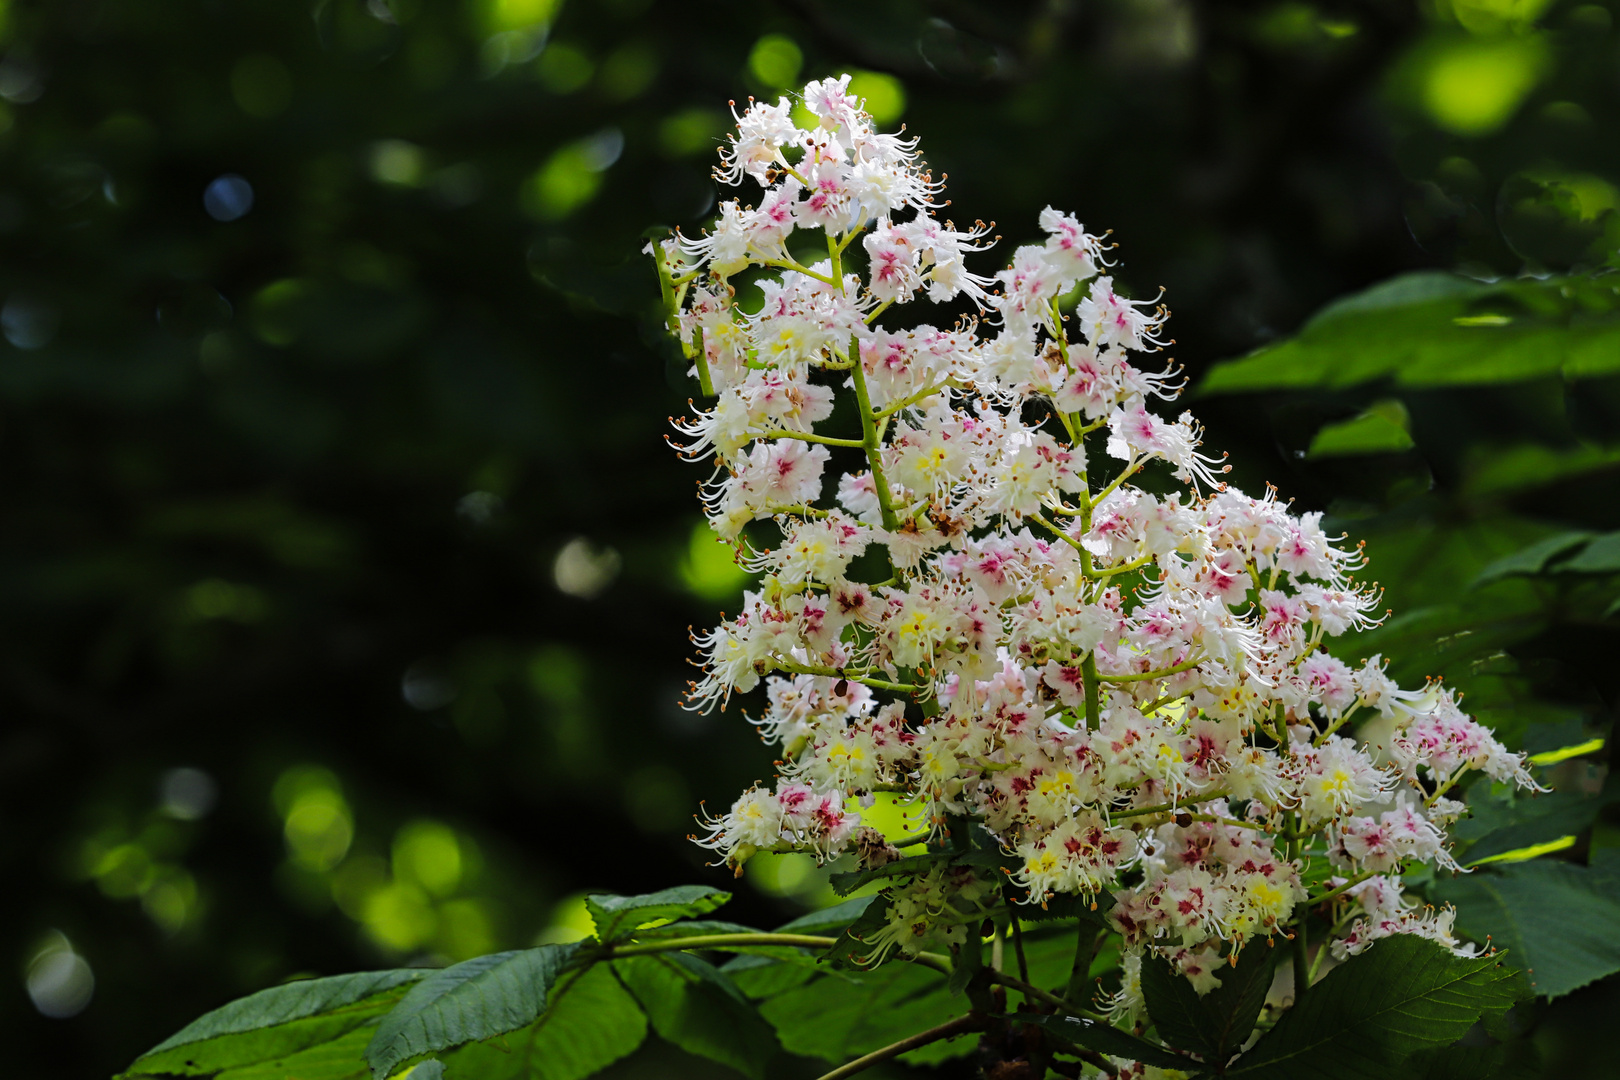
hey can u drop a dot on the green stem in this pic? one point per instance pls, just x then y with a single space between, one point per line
727 942
807 436
1163 807
1088 675
1302 962
1146 676
1018 946
786 264
1125 568
1334 894
1085 948
1130 469
853 676
700 356
1302 955
869 436
1035 993
949 1029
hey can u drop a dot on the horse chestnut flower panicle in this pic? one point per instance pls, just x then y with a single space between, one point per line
1129 692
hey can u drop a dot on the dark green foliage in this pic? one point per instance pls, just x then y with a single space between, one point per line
699 1009
846 883
619 916
1369 1015
1558 921
473 1000
839 1018
1108 1040
592 1021
1215 1025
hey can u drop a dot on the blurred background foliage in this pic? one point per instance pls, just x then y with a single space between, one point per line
344 574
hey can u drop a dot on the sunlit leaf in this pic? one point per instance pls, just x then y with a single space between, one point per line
618 916
276 1023
1425 329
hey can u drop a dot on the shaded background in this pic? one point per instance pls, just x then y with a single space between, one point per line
344 573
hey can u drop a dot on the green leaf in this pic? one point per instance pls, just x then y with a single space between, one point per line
590 1022
1383 429
842 1018
277 1022
830 918
343 1058
476 999
429 1069
1431 329
765 976
1601 556
758 972
1558 921
846 883
1107 1039
1495 826
1215 1025
1368 1015
1515 1060
851 943
1533 559
699 1009
618 917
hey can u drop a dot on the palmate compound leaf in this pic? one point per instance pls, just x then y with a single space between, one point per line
619 916
1215 1025
474 1000
700 1010
1558 921
275 1024
1368 1016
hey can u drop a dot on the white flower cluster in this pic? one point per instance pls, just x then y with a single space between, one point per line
1130 691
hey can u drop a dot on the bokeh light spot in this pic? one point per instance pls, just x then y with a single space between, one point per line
187 794
466 929
317 822
507 15
776 61
572 176
395 161
399 916
59 980
261 85
569 921
563 69
228 197
427 853
691 131
1474 87
885 95
584 570
709 569
628 71
29 321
